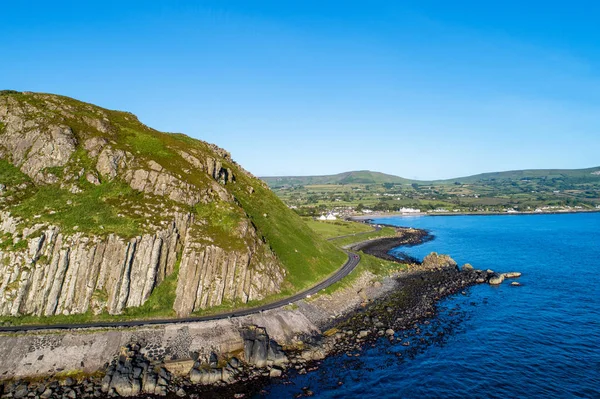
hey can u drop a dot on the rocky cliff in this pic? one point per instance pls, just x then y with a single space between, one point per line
97 210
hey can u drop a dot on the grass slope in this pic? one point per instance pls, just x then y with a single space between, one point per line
331 229
307 257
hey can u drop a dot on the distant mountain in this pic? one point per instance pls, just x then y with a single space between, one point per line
370 177
355 177
586 174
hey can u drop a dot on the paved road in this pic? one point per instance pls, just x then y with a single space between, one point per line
350 264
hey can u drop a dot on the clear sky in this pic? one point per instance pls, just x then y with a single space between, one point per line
421 89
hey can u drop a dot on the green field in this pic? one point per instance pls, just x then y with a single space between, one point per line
330 229
384 232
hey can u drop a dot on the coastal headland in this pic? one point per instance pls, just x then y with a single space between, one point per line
240 353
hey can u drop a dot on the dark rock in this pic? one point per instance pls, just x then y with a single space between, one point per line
213 360
150 382
256 345
234 362
163 373
20 392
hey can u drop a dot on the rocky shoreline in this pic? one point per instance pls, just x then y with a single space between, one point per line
406 237
403 300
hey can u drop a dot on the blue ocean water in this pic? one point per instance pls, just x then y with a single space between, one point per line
539 340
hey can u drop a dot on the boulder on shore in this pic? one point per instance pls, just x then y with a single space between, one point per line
260 350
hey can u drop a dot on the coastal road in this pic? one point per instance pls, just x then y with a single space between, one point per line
351 263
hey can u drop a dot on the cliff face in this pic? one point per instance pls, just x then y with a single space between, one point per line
97 210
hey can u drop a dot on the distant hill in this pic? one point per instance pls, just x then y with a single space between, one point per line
355 177
370 177
585 174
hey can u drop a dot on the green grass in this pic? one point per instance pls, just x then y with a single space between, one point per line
306 256
10 175
148 144
354 177
384 232
336 228
95 210
368 263
221 220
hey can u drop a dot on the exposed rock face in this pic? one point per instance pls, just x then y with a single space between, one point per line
260 350
211 373
209 275
67 274
50 270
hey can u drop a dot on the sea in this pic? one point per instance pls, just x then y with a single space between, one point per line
537 340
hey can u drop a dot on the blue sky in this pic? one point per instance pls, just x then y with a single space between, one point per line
420 89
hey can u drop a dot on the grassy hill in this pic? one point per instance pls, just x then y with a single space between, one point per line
355 177
370 177
97 178
588 174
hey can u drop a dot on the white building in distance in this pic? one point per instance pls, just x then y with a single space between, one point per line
409 210
330 216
